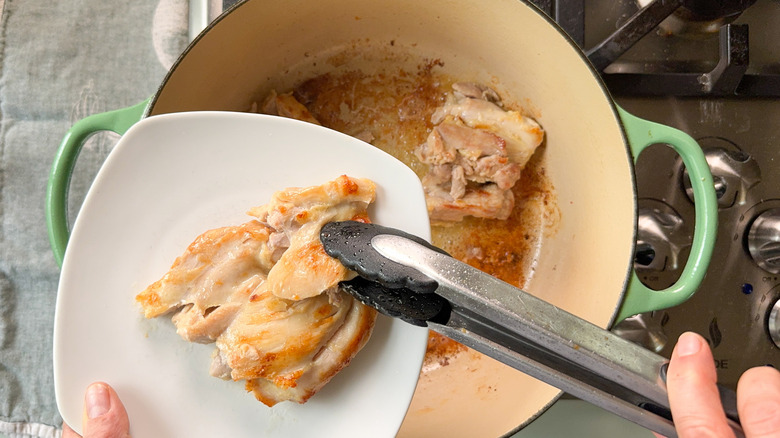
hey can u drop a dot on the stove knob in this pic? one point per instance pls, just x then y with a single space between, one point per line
764 240
774 323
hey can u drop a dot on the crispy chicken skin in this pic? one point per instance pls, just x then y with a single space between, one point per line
268 296
209 283
296 217
270 343
476 152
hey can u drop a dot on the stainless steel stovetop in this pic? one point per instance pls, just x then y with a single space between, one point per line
718 79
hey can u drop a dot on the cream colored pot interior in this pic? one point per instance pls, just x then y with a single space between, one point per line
581 267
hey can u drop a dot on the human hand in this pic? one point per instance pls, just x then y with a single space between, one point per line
695 402
104 415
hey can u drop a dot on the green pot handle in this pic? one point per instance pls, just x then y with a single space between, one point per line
641 134
118 121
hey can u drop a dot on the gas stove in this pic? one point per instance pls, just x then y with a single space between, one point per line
711 69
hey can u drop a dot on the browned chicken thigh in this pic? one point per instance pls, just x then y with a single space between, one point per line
267 294
476 152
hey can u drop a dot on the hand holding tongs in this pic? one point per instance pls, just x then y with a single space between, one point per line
405 277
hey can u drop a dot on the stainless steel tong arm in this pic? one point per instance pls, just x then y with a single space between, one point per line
546 342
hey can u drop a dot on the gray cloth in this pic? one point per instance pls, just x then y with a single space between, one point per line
60 60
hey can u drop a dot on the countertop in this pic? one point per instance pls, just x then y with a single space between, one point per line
60 61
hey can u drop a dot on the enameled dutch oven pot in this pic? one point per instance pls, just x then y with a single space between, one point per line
585 267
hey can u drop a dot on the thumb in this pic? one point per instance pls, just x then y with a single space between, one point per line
758 401
104 414
693 394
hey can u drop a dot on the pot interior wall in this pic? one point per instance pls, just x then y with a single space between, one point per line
582 267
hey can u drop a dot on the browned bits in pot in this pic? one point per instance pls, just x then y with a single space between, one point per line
391 109
440 350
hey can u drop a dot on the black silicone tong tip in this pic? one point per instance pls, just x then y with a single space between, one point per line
350 243
392 288
409 306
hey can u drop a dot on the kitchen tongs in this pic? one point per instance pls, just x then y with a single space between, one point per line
405 277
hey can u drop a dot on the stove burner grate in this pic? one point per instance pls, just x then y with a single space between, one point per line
729 77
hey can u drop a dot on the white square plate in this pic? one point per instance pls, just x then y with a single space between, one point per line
169 179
